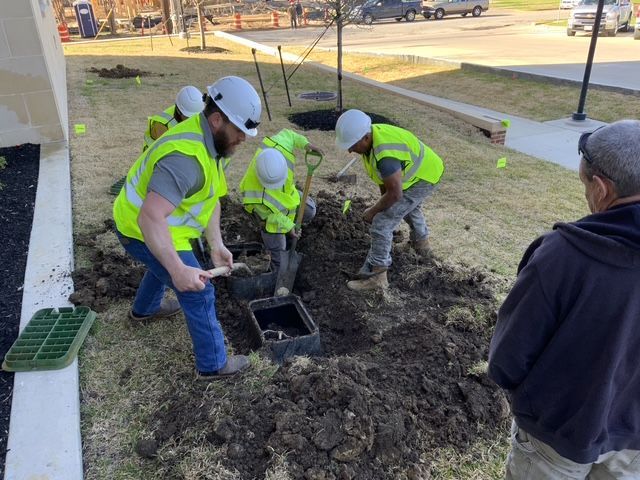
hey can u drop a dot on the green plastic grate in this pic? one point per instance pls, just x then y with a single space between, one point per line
116 187
50 340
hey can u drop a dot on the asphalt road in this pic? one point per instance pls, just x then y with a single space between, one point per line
499 38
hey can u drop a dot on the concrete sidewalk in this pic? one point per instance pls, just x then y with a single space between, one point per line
555 141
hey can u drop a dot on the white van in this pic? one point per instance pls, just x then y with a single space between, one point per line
438 8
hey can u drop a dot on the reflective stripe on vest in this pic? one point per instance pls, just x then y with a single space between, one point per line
186 220
424 165
190 218
284 201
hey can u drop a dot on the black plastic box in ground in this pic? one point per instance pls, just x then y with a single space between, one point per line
257 286
284 327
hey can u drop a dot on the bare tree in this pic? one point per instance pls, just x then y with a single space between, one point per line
342 13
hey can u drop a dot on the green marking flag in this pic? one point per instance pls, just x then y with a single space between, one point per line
506 123
502 162
346 206
89 82
138 81
80 128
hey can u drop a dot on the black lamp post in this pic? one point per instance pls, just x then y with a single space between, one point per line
580 115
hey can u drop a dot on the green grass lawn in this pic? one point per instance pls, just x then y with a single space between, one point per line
526 5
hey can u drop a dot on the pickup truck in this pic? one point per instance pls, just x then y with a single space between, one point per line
440 8
378 9
616 14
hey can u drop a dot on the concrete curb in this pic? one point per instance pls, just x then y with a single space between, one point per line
44 431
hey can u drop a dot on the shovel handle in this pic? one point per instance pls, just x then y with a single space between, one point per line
222 271
311 166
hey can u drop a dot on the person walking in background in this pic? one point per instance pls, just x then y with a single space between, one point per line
299 12
565 346
406 170
293 16
171 195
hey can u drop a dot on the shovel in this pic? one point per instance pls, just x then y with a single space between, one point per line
239 267
291 261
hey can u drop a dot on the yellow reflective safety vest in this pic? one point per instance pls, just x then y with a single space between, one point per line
418 161
276 207
166 118
191 217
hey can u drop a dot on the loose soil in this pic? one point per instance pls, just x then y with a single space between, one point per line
400 375
119 71
18 185
326 119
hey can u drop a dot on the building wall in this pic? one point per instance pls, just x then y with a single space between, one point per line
33 90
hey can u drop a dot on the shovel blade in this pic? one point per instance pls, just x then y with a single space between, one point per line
288 270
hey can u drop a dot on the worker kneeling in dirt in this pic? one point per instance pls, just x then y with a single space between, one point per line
189 102
406 171
171 195
269 192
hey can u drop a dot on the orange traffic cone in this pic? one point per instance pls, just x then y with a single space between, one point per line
274 18
238 22
63 31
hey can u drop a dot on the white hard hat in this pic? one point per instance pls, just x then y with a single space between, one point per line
239 101
351 127
189 101
272 169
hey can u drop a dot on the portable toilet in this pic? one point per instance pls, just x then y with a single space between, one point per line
87 23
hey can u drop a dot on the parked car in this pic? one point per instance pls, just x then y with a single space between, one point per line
438 8
636 34
616 15
378 9
151 20
568 4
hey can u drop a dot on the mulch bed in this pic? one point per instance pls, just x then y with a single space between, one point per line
18 183
325 120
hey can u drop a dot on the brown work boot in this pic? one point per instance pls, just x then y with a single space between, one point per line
378 279
168 308
422 246
235 364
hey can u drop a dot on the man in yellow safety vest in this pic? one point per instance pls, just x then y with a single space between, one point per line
406 171
171 195
269 192
189 102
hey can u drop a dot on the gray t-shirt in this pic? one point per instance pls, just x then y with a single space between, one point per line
388 166
177 176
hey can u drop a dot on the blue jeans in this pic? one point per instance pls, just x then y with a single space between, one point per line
199 307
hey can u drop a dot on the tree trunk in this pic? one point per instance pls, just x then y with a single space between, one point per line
203 42
112 17
166 17
339 35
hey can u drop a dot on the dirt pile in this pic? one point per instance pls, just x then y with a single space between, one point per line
119 71
112 274
400 377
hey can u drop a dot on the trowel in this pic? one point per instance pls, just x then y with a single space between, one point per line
291 260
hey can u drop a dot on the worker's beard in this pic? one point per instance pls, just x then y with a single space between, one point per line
223 144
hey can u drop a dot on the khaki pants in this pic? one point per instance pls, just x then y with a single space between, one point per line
531 459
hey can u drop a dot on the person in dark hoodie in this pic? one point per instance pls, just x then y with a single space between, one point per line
566 343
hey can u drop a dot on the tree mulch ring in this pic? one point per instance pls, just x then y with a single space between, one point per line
400 377
326 119
18 185
119 71
197 49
